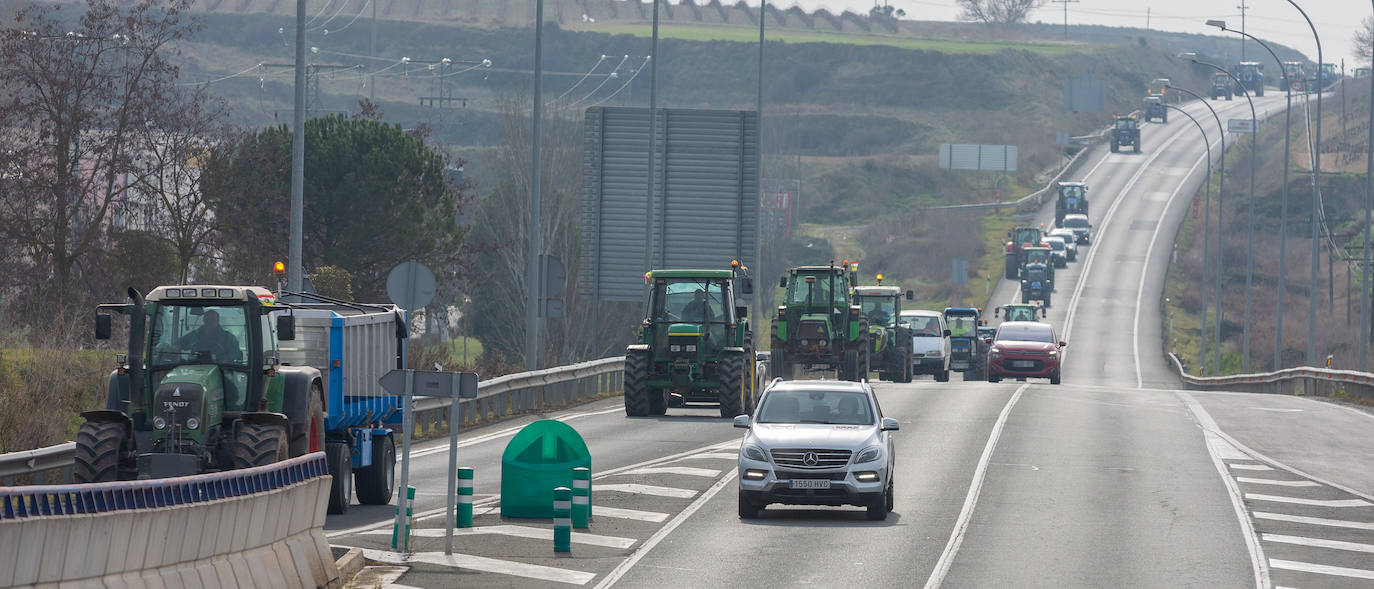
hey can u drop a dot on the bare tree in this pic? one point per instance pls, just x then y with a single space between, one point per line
77 92
998 11
1364 40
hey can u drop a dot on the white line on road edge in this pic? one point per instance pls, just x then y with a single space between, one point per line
1319 543
1316 521
1257 561
483 564
622 513
956 537
625 566
1321 569
1145 268
1250 466
1276 482
655 490
1313 502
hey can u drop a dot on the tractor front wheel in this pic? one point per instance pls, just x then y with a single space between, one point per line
636 386
732 385
259 445
98 447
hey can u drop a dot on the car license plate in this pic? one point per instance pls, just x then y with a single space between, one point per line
1023 364
810 483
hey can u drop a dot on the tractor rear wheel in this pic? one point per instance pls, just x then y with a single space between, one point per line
309 436
658 401
732 385
777 363
850 370
636 389
259 445
98 446
375 483
1012 267
341 466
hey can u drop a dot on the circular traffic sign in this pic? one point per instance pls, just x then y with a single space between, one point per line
410 285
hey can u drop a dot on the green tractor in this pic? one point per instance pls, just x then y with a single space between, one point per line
818 326
695 346
968 353
1039 255
201 389
1020 312
1019 238
889 340
1036 284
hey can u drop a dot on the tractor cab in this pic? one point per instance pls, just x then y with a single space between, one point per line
1022 312
1125 131
1297 78
819 325
1036 283
1155 109
966 346
1329 74
1072 198
889 342
1221 86
1251 76
1042 255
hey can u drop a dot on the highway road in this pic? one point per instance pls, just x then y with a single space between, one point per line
1113 479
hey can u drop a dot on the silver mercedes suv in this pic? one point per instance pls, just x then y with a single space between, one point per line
817 442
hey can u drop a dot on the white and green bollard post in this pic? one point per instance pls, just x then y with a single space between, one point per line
400 539
581 497
465 497
562 519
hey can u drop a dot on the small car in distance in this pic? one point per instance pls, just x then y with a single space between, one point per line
817 442
930 348
1024 349
1059 252
1070 242
1081 227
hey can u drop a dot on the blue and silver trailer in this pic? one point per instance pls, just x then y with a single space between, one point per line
353 346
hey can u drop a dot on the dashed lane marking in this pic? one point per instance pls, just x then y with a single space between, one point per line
1316 521
1321 569
655 490
683 470
1276 482
720 455
485 565
1319 543
1314 502
622 513
519 532
1249 466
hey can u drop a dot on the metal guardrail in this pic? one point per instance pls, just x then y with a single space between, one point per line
1302 380
40 463
523 392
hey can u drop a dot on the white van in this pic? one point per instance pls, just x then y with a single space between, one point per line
929 343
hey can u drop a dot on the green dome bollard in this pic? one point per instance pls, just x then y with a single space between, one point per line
539 458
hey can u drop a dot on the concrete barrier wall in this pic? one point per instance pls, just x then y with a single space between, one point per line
265 539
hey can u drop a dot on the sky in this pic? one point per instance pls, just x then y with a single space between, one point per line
1276 20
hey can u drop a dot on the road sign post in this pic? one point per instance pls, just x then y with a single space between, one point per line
409 384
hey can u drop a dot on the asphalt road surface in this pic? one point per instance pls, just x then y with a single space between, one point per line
1113 479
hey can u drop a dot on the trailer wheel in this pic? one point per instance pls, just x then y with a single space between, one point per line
375 483
259 445
341 466
308 437
98 446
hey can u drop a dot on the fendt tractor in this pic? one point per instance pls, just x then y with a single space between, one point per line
1155 110
1251 76
889 341
695 345
818 326
1072 199
1019 238
967 352
227 377
1126 132
1221 86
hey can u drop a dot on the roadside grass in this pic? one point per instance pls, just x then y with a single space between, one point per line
43 390
749 34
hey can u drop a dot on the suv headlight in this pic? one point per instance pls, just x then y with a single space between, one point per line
753 452
869 454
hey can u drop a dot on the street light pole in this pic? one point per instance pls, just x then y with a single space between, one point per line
1283 206
1250 246
1316 205
295 266
653 141
533 279
1221 206
1206 237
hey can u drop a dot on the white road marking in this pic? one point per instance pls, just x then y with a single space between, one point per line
1319 543
654 490
485 565
622 513
683 470
1209 426
721 455
1321 569
1316 521
1223 450
956 538
1250 466
518 532
1276 482
1303 501
1277 409
1145 268
625 566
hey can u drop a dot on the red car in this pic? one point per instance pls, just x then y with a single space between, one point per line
1022 349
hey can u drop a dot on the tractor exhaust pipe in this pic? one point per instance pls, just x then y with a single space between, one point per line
137 338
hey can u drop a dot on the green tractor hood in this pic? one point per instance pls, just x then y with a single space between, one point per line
187 402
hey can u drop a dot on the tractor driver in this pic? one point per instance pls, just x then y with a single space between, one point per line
959 326
210 337
698 309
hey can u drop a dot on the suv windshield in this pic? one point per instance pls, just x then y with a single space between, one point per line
183 334
1026 332
816 406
